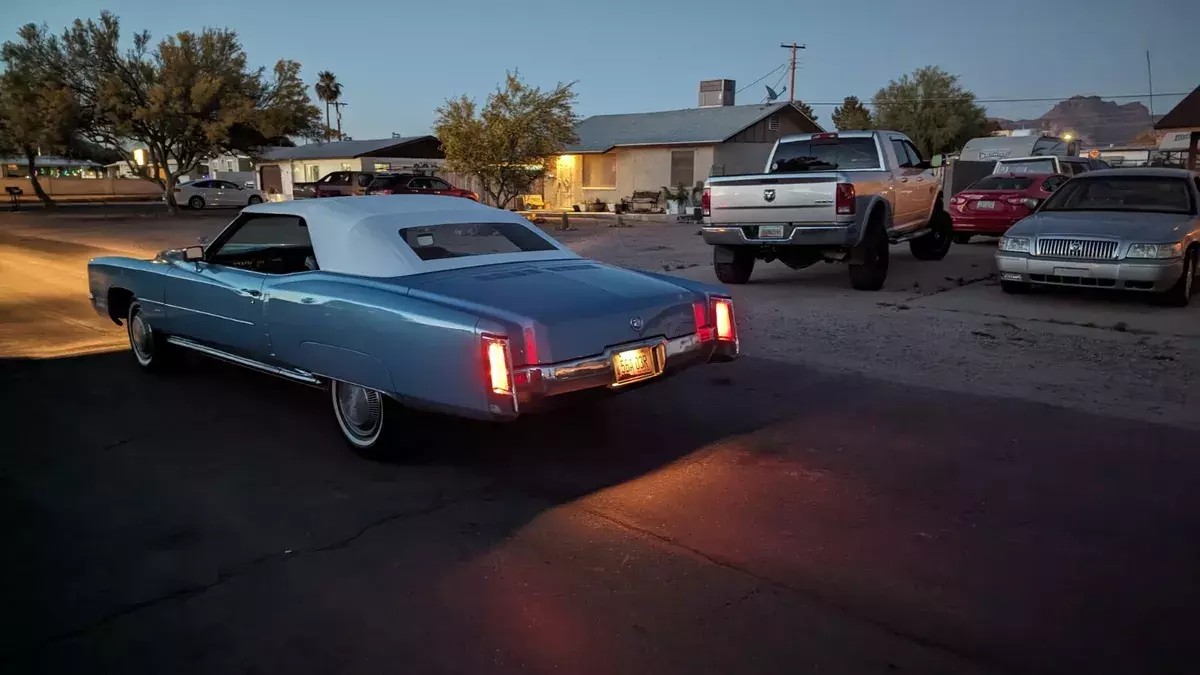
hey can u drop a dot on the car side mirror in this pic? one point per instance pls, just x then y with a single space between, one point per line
193 253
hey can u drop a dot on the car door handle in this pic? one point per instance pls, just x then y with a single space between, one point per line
251 291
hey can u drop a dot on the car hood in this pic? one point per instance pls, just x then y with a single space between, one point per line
576 308
1148 227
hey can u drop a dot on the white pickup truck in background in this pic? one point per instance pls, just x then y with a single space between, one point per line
829 196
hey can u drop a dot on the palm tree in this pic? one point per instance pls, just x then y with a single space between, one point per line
328 90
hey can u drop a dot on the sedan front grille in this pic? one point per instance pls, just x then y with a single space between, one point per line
1080 249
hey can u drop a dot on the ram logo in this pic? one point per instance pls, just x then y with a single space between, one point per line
769 195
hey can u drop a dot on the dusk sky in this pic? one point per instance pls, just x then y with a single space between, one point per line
399 60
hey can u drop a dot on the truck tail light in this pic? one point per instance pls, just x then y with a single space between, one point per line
704 329
499 374
845 199
706 202
818 137
723 318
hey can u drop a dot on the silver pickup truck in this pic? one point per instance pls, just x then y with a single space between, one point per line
833 197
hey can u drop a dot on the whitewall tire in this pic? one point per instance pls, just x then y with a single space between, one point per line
150 348
364 416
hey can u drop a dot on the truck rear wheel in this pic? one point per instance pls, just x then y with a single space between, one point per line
871 272
936 244
733 264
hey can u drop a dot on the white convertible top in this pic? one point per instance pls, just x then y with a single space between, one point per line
361 235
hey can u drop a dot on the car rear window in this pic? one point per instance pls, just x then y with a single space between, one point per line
454 240
388 181
1001 183
825 154
1026 166
1158 194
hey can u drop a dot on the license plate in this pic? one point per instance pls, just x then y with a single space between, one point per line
985 205
634 364
770 231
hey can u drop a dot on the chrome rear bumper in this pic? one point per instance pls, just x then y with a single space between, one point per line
596 372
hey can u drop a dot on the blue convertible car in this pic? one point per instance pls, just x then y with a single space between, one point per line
416 301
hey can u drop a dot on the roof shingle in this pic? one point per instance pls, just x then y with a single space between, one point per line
671 127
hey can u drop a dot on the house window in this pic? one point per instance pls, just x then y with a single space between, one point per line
312 173
229 165
683 167
346 166
600 171
773 123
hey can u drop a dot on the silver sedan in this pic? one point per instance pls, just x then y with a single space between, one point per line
212 192
1132 229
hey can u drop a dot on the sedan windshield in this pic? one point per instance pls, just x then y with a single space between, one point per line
454 240
1123 193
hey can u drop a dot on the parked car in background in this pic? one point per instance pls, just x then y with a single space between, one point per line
199 194
412 301
1068 166
830 196
343 184
1129 229
992 204
414 184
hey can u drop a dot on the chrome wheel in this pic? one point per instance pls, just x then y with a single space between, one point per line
359 412
141 336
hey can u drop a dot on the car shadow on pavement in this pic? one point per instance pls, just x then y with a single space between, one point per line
122 493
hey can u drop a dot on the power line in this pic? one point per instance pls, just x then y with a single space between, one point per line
1056 99
773 71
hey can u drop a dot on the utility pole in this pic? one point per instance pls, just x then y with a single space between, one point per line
338 105
1150 81
792 87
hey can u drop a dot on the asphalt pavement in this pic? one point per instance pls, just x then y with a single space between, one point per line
753 517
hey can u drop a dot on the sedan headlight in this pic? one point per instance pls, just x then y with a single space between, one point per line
1015 244
1155 250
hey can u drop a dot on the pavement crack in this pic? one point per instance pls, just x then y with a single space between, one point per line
807 594
187 592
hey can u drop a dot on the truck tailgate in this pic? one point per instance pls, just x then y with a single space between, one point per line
774 198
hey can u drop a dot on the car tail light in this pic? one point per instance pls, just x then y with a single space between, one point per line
179 189
723 318
499 375
472 195
845 199
958 201
704 329
384 191
1016 201
706 202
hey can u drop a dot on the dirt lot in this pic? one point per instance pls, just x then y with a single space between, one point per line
944 325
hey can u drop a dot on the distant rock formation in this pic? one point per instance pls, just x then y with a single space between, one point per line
1094 121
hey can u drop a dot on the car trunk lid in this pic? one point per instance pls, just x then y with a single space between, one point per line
572 308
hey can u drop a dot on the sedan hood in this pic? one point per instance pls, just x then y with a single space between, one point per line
576 308
1145 227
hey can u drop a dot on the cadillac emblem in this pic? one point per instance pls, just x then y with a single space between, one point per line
637 324
769 195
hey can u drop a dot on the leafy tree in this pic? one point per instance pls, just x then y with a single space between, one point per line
806 109
929 105
36 115
851 115
329 90
189 97
510 141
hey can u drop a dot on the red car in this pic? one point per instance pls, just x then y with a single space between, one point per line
992 204
412 184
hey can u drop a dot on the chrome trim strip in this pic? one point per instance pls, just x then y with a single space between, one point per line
196 311
298 376
597 371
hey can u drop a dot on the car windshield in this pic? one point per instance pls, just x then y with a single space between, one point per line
1001 183
825 154
1123 193
454 240
1026 166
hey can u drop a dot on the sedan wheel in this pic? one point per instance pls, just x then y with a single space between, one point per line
1181 293
196 202
150 348
255 199
360 414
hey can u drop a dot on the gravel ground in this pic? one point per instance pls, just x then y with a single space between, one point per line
948 326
